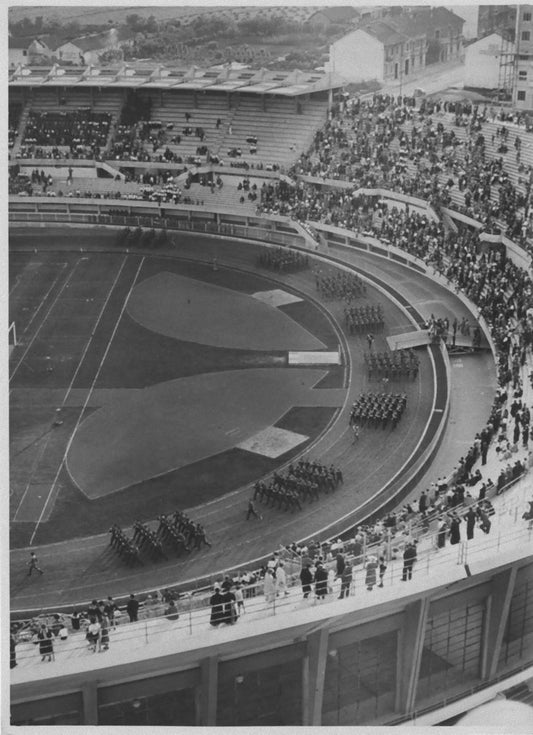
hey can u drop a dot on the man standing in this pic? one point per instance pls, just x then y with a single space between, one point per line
409 558
370 341
470 518
33 564
306 578
346 580
132 608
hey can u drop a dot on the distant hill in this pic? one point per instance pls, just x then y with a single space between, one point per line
87 15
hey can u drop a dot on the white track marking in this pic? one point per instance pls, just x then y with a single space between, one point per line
45 317
86 402
94 328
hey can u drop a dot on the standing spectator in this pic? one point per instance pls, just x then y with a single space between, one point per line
132 608
93 633
269 586
441 534
455 531
281 580
239 599
217 607
171 611
470 518
321 581
346 580
307 579
382 570
229 613
33 564
341 563
370 341
110 609
104 634
75 620
370 577
46 644
409 558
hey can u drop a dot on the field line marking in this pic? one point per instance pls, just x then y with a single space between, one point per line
38 309
89 394
95 327
23 357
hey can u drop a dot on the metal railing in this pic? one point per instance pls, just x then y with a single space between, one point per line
194 610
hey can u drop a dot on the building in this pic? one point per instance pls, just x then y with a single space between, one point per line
493 18
470 15
88 49
398 46
326 17
485 61
43 48
523 79
17 51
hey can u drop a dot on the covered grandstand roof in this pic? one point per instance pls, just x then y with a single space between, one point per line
288 83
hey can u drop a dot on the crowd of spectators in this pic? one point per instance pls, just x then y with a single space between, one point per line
81 133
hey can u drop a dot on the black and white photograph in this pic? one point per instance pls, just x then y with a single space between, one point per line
268 427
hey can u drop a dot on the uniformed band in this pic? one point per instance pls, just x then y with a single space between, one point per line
359 319
392 365
282 260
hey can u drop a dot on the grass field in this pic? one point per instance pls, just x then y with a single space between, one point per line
78 343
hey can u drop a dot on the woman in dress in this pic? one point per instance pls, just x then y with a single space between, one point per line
46 644
371 566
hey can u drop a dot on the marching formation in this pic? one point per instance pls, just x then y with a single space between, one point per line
360 318
303 481
377 409
282 260
177 532
392 365
340 285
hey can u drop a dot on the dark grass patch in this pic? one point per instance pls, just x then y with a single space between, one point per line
307 420
310 317
139 357
74 515
334 378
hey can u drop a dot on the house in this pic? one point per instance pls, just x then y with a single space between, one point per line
327 17
43 48
398 46
88 49
485 61
17 51
377 51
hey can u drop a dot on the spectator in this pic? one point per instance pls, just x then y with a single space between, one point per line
132 608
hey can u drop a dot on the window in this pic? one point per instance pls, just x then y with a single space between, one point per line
521 96
525 35
522 75
527 16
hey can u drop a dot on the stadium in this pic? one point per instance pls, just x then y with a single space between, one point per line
255 331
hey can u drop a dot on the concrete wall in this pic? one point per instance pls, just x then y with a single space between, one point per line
357 57
482 62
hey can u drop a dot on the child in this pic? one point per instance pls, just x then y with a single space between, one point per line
382 570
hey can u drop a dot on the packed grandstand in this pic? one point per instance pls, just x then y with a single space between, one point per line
448 184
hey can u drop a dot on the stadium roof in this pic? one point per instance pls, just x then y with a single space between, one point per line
288 83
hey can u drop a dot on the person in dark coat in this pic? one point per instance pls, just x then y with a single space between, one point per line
132 608
470 518
346 580
217 607
409 558
340 564
46 645
229 614
441 534
307 579
12 651
321 581
455 531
